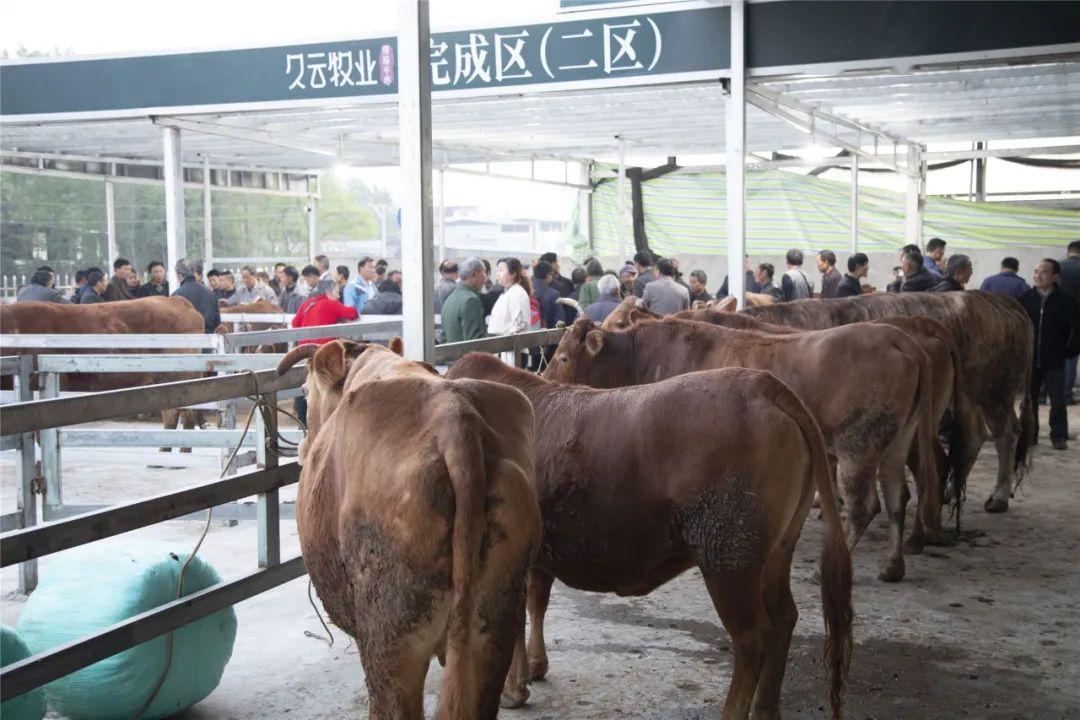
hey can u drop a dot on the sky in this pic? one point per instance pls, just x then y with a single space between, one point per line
128 26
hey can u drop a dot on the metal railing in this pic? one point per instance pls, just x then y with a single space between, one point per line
32 541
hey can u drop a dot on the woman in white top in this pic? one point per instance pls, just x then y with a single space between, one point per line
512 312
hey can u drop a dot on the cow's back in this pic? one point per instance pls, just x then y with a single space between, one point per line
152 315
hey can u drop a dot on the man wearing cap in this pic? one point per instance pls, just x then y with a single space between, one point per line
627 276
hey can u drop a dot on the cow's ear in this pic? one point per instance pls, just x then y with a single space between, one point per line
594 342
726 305
397 345
332 360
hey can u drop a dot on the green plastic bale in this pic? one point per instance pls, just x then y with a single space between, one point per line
28 706
88 589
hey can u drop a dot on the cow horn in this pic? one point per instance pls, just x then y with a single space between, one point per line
571 302
298 353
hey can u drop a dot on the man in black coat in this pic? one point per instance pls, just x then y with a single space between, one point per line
858 266
551 312
957 275
1056 317
916 277
197 294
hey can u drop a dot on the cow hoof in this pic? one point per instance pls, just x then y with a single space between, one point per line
165 450
185 450
538 669
513 700
893 572
995 504
914 545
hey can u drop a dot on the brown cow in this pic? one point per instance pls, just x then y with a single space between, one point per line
995 339
418 521
946 370
870 420
152 315
667 483
259 307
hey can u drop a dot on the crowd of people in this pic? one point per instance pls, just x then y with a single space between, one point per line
476 300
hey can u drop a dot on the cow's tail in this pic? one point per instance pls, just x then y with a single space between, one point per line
835 563
927 481
959 429
1022 465
462 449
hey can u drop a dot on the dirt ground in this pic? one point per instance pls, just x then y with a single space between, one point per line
988 628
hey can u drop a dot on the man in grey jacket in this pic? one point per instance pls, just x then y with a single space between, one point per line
663 295
39 290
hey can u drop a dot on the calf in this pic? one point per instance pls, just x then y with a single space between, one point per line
418 520
870 418
637 485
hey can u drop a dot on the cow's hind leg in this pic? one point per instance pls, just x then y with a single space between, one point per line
855 476
169 420
894 487
780 606
738 602
1005 429
540 582
395 664
724 529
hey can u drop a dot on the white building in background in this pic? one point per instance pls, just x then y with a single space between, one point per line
466 230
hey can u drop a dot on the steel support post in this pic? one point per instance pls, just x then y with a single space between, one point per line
266 456
207 218
175 234
110 222
585 206
854 204
980 174
915 197
735 150
28 571
50 452
414 117
620 189
442 215
313 227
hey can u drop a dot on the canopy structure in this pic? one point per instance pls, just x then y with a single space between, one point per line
881 80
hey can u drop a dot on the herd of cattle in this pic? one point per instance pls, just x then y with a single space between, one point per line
648 447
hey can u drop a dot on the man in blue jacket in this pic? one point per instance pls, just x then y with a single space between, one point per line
1008 281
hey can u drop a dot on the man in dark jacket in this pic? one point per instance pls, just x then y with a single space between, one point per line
1008 281
156 284
197 294
697 287
830 276
916 277
1070 283
95 288
118 288
645 274
1056 317
386 302
957 274
551 312
858 266
291 299
561 285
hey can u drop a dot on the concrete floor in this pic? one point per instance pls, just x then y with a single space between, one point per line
988 628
